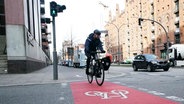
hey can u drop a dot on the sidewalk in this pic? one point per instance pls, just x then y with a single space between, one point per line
41 76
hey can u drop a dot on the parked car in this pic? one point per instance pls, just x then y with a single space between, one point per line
66 63
128 60
150 62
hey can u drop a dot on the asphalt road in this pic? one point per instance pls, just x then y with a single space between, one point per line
167 85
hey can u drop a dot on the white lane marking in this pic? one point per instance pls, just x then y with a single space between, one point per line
143 89
175 98
78 76
114 76
156 93
61 98
117 82
132 86
64 84
152 74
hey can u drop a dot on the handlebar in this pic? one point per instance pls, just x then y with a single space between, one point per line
94 52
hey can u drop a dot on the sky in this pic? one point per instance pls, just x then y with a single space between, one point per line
80 18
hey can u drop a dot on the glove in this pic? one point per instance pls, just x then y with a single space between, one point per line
103 51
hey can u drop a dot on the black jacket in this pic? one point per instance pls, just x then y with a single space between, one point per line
92 44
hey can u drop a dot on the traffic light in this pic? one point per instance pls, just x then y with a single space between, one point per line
45 20
165 45
60 8
139 20
53 8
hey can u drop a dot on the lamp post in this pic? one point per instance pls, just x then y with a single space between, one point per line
118 29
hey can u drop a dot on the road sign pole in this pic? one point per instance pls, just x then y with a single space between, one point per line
55 68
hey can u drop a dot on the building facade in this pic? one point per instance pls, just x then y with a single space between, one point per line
67 45
149 36
21 48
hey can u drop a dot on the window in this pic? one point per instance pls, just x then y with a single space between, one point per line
42 1
177 38
2 18
168 7
162 8
163 54
167 19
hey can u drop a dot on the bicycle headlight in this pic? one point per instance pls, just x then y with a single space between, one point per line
101 55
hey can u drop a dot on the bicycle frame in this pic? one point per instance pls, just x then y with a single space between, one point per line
96 68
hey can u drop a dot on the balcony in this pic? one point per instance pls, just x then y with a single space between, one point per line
176 0
42 10
44 37
152 11
177 31
177 19
151 1
176 10
153 29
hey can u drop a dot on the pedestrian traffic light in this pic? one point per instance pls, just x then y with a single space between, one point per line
53 8
139 20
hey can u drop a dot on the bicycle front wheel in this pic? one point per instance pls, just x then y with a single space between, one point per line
90 76
100 76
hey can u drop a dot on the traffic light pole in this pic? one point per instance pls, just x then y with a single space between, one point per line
54 9
167 37
55 68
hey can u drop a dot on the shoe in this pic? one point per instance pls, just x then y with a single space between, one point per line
98 75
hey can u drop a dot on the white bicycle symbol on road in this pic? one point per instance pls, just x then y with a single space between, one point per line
107 95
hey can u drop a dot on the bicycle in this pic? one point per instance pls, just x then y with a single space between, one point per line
97 68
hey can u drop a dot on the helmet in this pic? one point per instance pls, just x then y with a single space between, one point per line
97 32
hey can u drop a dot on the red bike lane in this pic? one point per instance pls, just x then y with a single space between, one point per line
110 93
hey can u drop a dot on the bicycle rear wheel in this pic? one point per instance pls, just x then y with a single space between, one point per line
100 79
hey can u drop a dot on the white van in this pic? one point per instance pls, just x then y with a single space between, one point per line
79 58
176 54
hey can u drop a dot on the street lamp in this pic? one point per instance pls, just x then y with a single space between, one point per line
118 29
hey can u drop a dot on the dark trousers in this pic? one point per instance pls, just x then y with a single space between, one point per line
88 60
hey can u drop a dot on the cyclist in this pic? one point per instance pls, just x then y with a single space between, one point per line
92 43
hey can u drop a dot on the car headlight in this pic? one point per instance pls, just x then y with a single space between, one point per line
154 62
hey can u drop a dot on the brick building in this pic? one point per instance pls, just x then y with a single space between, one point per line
150 36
